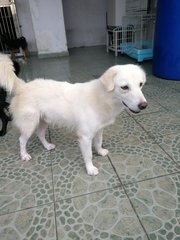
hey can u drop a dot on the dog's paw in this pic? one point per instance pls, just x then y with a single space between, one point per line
92 171
26 157
2 133
103 152
50 146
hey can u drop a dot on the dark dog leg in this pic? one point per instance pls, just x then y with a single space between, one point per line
4 119
26 53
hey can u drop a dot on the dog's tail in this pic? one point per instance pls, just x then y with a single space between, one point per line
8 78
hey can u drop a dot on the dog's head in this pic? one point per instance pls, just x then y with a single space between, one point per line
126 82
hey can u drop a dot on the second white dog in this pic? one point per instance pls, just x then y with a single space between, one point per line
85 108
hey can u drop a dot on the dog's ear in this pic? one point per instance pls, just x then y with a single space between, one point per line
108 79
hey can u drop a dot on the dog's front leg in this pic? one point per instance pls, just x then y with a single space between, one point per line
86 149
97 141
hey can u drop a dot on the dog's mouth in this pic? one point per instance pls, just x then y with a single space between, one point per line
130 108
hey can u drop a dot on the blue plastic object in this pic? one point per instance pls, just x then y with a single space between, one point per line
166 51
138 50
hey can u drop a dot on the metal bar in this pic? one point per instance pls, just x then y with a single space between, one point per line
10 23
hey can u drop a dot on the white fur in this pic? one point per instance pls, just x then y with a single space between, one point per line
85 108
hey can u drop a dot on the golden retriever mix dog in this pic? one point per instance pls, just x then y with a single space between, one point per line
85 108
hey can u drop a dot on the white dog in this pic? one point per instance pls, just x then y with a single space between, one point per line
85 108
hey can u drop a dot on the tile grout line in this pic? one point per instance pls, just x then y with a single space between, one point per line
54 202
154 139
136 182
86 194
152 178
129 199
26 209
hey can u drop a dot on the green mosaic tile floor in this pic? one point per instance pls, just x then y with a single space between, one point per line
136 195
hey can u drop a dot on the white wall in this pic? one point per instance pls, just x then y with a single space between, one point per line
42 24
136 6
48 24
116 9
85 22
25 21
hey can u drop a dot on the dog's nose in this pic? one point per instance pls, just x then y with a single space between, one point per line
142 105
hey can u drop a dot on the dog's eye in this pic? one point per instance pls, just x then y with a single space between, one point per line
141 84
125 87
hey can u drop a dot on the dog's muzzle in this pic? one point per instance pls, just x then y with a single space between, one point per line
141 106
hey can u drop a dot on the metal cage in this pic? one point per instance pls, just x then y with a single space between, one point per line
134 37
9 24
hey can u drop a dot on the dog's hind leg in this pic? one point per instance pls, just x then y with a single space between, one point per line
41 130
4 127
97 141
27 120
23 151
